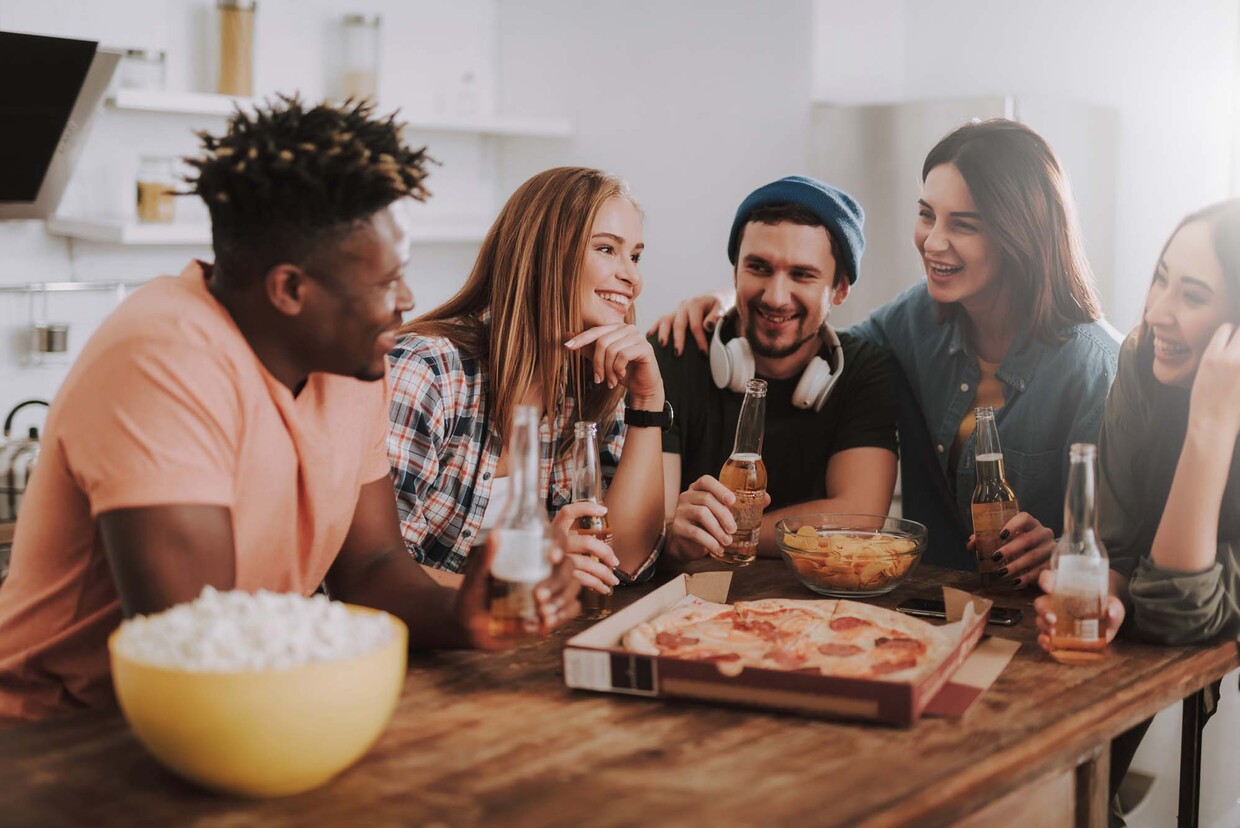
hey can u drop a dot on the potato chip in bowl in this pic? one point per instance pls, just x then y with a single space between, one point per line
850 556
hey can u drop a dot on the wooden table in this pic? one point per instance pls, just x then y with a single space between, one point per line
497 739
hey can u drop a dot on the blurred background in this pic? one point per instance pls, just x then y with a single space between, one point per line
695 103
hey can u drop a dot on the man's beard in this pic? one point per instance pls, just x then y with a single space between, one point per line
770 351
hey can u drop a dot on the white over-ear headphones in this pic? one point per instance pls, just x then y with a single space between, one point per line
732 365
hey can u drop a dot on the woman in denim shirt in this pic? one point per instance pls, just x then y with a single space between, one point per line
1007 317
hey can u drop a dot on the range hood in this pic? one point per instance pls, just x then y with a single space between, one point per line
50 87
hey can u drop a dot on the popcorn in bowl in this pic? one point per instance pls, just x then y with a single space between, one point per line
238 631
259 694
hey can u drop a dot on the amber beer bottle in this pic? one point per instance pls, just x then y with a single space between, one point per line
745 474
587 487
994 502
1080 564
523 536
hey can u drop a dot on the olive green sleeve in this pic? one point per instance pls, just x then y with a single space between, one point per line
1172 607
1121 516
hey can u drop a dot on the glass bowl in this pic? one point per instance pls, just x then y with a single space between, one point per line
850 556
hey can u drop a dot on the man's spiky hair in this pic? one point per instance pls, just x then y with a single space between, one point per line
286 177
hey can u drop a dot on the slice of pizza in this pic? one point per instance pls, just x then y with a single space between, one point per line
680 628
892 646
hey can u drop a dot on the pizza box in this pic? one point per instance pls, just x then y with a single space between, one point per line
596 660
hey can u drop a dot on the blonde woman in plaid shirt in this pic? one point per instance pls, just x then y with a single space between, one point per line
545 319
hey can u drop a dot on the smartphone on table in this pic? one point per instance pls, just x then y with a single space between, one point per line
934 608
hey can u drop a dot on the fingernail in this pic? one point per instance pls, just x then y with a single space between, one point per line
570 343
679 351
1001 572
998 556
597 379
611 383
542 594
1004 534
1014 583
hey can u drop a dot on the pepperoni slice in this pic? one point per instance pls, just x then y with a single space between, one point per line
885 667
784 659
903 645
840 650
765 629
673 641
847 623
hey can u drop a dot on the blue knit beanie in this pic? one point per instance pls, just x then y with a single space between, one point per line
839 211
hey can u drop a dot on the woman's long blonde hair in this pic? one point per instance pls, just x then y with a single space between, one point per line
519 305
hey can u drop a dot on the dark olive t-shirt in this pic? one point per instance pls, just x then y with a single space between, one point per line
797 443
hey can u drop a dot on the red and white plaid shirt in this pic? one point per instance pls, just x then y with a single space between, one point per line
444 451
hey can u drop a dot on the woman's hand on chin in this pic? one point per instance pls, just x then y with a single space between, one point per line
1215 401
621 355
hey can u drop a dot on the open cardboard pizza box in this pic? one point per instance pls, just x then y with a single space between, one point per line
596 660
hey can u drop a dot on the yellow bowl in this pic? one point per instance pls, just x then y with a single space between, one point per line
268 732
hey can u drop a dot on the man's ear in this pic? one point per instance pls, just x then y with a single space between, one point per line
286 287
840 292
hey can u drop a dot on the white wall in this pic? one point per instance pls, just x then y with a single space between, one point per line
694 103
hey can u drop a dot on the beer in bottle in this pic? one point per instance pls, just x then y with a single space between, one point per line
523 537
1080 564
745 474
587 487
994 502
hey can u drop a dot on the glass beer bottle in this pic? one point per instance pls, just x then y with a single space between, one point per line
994 502
745 474
523 536
1080 564
587 483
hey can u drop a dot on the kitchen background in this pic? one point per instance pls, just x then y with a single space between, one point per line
695 103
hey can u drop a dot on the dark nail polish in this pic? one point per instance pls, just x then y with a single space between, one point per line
998 556
1004 534
1014 583
1001 572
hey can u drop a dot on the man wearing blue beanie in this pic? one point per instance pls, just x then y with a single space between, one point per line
829 441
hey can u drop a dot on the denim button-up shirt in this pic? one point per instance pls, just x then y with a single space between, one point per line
1054 395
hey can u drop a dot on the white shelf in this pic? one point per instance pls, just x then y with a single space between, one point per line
199 103
120 231
184 103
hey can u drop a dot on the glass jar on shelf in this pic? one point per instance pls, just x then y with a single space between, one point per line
360 56
156 200
142 69
236 75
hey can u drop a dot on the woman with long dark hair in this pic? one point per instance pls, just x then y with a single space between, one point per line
1169 466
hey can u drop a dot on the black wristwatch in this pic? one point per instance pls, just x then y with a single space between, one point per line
638 418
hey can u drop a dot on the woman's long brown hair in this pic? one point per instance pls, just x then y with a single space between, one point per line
519 305
1022 193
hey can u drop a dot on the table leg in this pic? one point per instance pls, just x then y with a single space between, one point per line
1194 722
1093 783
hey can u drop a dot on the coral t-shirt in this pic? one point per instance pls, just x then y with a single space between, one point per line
168 404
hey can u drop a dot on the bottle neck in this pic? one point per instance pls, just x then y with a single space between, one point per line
587 481
525 502
1080 504
751 424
